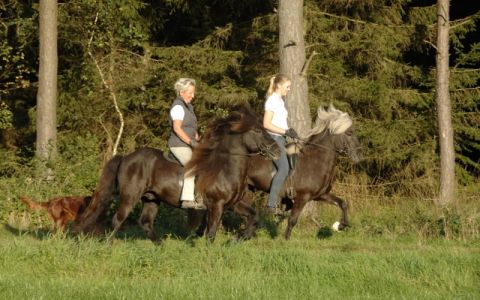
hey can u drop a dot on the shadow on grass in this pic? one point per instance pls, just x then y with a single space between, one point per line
324 232
170 223
40 233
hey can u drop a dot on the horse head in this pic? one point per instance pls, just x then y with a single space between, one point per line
348 143
340 126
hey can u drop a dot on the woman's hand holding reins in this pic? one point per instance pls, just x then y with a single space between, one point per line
290 132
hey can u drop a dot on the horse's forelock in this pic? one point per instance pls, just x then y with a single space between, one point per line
321 122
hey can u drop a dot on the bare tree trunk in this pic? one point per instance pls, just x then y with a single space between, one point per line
292 61
46 147
293 64
447 152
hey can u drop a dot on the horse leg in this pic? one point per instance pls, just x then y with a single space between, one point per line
127 202
147 219
297 208
214 215
342 204
197 219
250 217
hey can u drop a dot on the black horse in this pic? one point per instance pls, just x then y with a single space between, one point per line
333 134
146 175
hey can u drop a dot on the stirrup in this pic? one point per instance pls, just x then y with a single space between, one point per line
291 192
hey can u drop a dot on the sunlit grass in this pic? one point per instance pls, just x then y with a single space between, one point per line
52 266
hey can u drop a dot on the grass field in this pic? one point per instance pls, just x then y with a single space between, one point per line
351 264
396 248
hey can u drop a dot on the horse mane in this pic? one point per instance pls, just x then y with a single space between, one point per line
332 119
209 156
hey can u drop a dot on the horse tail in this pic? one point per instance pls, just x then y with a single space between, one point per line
101 198
33 205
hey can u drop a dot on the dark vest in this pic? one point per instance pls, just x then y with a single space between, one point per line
189 124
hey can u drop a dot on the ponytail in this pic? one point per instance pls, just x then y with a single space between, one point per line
271 87
275 81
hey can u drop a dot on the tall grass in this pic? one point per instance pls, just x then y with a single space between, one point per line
399 245
346 265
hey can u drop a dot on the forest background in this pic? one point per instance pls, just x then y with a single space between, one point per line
375 60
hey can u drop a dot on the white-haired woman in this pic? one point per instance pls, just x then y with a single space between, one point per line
184 136
275 122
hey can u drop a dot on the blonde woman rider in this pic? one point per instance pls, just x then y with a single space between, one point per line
275 122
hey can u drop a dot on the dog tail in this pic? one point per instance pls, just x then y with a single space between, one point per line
101 197
33 205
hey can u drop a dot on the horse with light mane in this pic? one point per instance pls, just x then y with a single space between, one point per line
333 134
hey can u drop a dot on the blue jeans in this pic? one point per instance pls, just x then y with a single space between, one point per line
282 172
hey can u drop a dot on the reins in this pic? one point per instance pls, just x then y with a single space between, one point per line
333 149
265 152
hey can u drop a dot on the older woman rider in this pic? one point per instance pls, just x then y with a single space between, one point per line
184 136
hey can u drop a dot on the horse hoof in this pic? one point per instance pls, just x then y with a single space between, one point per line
336 226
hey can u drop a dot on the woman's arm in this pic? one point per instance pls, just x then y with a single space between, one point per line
177 128
267 123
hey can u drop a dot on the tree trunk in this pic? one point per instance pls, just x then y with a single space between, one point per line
292 63
292 60
47 91
447 152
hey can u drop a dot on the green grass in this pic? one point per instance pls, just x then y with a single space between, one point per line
39 265
397 248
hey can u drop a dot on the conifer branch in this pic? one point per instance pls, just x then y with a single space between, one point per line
455 70
344 18
455 23
463 21
431 44
466 89
139 55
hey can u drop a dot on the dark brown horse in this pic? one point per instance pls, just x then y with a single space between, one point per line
220 165
333 134
146 175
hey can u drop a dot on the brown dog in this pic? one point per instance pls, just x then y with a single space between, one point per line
62 209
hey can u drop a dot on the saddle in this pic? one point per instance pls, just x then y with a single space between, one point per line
171 158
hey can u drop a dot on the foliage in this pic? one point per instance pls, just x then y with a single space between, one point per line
373 59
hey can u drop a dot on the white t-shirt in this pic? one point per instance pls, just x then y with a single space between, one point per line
276 105
177 113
